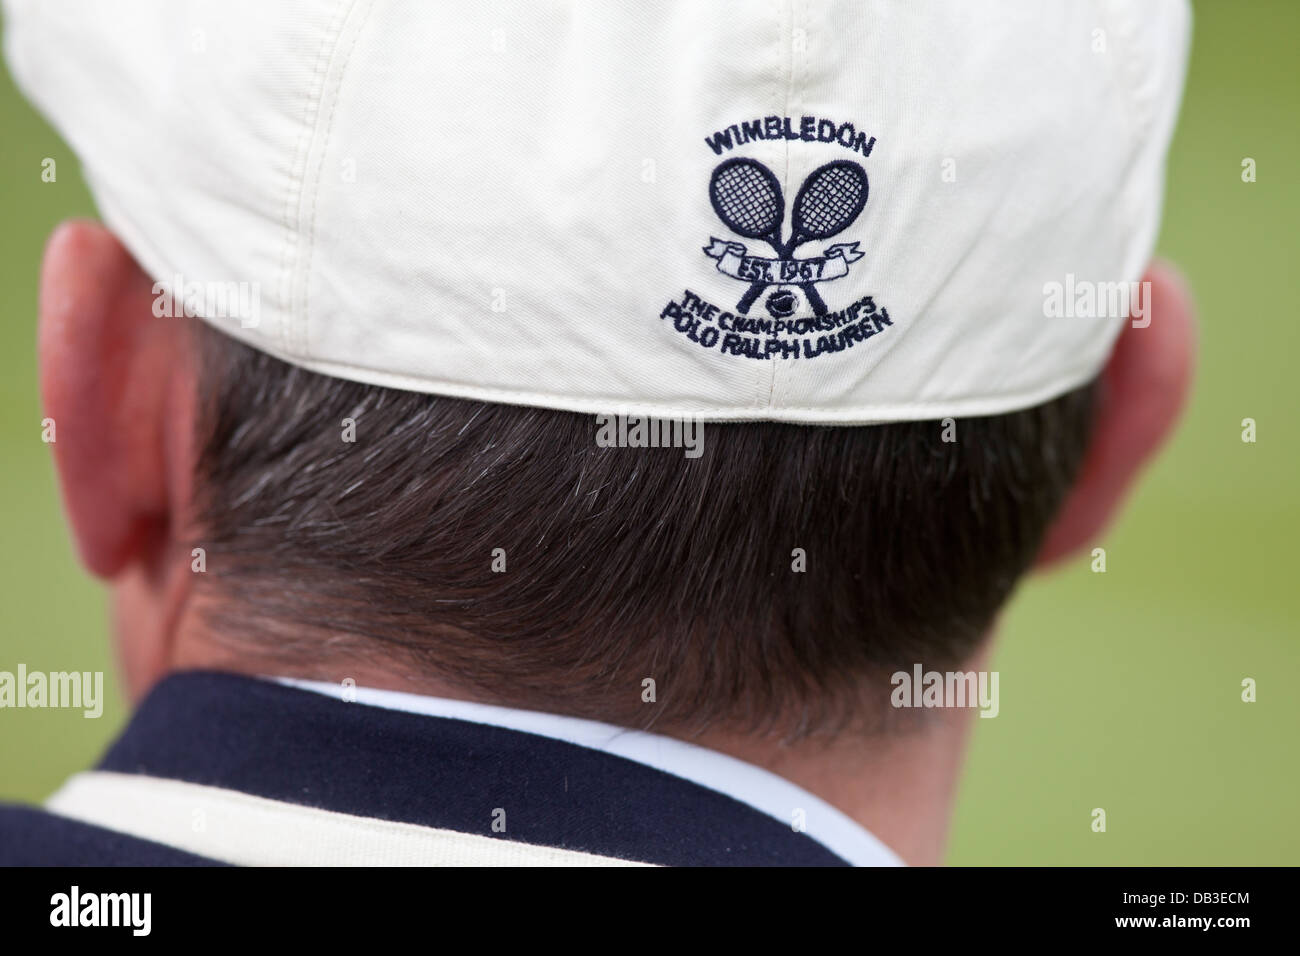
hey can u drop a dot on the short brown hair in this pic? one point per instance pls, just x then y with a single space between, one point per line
621 564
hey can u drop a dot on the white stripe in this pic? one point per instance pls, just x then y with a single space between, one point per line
238 828
751 785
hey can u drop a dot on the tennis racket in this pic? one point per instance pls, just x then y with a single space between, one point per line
747 198
828 202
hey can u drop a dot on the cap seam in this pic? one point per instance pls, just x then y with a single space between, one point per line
299 316
292 215
786 47
877 413
1126 77
794 94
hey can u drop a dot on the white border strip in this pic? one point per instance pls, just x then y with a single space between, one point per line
238 828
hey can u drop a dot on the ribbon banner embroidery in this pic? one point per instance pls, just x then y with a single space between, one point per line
793 323
747 199
735 261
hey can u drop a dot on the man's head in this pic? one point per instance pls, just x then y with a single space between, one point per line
885 251
896 294
774 582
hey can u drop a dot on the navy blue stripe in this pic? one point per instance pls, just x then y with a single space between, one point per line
32 837
288 744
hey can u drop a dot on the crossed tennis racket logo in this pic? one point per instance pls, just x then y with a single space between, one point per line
747 198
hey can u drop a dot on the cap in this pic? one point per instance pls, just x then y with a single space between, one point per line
849 211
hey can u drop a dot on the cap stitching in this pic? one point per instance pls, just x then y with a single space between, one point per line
798 72
293 195
301 315
787 83
874 413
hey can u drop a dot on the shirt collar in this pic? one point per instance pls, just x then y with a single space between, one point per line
761 789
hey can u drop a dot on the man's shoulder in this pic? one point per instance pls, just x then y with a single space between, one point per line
30 836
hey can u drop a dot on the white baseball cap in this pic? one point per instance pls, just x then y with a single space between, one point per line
820 212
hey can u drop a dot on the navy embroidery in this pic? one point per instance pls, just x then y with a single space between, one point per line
747 198
711 327
811 129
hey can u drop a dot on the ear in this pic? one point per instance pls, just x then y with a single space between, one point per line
109 381
118 383
1142 392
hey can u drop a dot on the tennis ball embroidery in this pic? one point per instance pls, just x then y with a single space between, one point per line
748 200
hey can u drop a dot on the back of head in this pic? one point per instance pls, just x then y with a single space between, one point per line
775 581
436 252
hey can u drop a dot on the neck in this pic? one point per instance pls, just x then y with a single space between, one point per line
900 785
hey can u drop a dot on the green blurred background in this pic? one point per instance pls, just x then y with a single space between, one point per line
1119 690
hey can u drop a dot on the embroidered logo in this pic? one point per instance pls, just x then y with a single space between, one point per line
748 200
